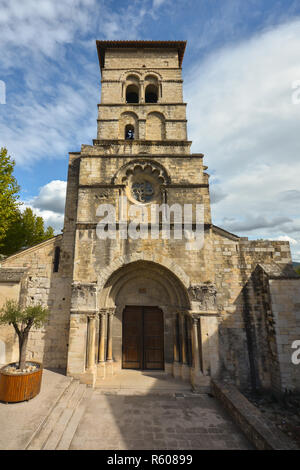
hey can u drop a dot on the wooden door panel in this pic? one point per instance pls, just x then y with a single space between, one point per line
143 338
153 338
152 342
132 338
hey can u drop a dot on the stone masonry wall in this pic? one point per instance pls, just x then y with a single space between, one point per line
244 347
47 344
285 304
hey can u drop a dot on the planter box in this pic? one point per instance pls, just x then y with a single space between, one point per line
20 387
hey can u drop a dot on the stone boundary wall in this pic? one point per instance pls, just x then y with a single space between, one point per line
260 431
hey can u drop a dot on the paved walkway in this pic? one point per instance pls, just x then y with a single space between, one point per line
155 422
135 410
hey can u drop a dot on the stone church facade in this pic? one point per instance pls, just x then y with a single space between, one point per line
230 308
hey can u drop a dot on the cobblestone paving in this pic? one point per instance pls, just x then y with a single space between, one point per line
120 422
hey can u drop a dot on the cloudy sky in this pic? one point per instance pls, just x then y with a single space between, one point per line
241 82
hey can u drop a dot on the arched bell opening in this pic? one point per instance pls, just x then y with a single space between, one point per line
151 94
132 94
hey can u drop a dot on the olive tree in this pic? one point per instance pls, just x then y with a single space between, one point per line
23 319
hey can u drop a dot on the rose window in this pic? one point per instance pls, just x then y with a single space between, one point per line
142 191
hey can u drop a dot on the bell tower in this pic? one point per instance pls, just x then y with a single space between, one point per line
142 105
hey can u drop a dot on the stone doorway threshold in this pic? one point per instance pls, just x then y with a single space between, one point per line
137 382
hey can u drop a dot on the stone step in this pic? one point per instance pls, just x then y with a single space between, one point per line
134 383
61 425
73 423
139 392
45 429
50 433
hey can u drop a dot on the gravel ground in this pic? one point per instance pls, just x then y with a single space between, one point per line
285 414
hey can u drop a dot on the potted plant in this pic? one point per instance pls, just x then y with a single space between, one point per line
21 380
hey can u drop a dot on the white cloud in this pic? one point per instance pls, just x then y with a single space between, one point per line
241 116
42 26
50 204
51 197
254 222
158 3
52 219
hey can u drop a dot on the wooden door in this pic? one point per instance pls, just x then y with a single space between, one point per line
143 338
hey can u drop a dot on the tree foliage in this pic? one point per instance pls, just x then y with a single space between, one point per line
26 230
23 320
18 230
8 193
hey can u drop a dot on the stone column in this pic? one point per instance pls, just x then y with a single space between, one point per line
184 365
109 356
102 363
176 365
102 317
142 91
196 360
183 338
195 373
91 341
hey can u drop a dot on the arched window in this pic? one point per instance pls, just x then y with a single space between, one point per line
56 259
128 126
132 94
129 132
151 94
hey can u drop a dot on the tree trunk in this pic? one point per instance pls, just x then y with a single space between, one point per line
22 351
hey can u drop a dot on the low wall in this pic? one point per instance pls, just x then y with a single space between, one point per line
258 430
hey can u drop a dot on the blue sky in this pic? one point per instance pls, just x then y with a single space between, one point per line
240 67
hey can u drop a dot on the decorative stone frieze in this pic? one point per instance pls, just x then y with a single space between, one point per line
205 294
84 297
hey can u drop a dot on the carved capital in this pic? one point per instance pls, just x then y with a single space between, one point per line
102 312
91 316
107 311
111 311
